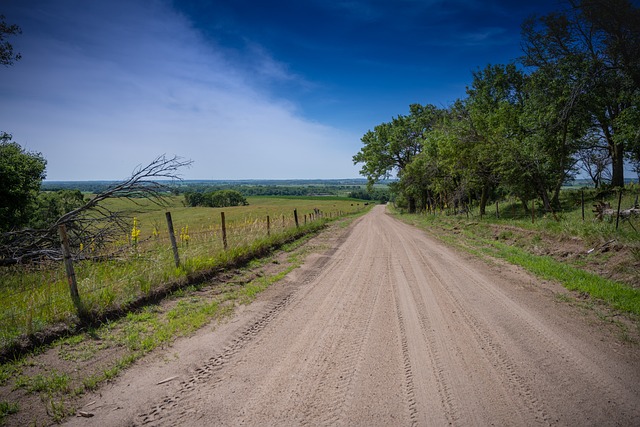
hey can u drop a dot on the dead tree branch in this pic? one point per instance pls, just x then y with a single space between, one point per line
94 224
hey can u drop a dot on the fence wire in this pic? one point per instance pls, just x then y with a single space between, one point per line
36 296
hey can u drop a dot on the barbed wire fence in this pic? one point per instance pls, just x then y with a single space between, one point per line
84 281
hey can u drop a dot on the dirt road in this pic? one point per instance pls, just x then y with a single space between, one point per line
389 328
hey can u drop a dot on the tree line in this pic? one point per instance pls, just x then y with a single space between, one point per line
215 199
571 102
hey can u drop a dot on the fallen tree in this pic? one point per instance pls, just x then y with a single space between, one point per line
603 210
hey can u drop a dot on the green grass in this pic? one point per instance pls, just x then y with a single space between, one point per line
476 237
7 408
568 221
48 383
616 295
34 297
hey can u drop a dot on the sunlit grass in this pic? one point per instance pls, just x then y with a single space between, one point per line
34 297
568 221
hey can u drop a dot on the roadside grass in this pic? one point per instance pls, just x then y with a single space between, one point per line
33 298
47 388
568 221
617 295
7 408
477 237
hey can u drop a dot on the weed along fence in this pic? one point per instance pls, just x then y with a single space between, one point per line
153 258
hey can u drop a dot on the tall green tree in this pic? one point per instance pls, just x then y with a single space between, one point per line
21 174
391 146
51 205
599 41
555 123
495 104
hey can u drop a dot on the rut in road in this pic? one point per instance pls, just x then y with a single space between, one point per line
397 329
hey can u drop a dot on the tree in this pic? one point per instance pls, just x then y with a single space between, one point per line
495 105
216 199
599 40
51 205
390 147
194 199
554 122
21 174
7 57
595 162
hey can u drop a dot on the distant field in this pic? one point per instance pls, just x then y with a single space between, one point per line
199 219
33 298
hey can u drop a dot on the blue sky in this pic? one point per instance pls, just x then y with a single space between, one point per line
246 89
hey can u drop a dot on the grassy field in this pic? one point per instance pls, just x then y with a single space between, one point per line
36 297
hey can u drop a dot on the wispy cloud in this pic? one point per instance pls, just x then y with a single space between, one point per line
104 86
484 36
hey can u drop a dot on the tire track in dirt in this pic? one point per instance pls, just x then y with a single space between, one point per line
565 359
335 316
442 352
330 400
215 364
406 358
164 412
459 286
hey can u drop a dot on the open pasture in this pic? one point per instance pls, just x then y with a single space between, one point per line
35 297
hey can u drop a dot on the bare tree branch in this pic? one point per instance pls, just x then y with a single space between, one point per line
94 224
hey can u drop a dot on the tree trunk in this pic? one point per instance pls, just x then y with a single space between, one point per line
483 199
555 201
424 198
541 187
617 165
412 204
545 199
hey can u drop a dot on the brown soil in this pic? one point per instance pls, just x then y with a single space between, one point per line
387 327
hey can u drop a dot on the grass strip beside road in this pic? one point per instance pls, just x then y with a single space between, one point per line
617 296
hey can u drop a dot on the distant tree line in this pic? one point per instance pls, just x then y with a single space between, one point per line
376 194
570 103
215 199
249 190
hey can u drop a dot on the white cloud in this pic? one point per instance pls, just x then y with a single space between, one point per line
105 86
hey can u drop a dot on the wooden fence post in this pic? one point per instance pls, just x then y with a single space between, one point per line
295 216
172 237
618 214
497 210
224 231
268 226
533 211
71 274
